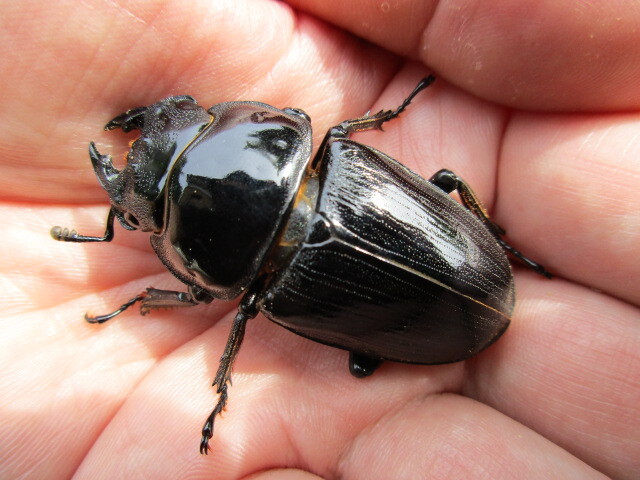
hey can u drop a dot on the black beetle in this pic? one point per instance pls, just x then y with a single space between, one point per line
350 249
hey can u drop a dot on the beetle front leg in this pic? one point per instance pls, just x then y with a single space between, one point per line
449 181
246 310
153 298
66 235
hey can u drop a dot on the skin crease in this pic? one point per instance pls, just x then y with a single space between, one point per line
536 106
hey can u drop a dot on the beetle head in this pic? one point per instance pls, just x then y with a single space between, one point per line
137 191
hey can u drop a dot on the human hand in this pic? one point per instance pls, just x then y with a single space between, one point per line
536 106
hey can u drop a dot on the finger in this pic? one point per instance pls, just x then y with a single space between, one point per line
450 436
568 195
568 369
133 56
64 379
300 415
551 56
292 402
43 272
283 474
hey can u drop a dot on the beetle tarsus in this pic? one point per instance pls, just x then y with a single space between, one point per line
207 430
153 298
371 122
424 83
367 122
223 377
448 181
536 267
109 316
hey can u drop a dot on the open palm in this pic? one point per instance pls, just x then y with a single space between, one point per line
536 109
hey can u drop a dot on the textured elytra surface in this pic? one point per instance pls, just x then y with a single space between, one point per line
393 267
387 209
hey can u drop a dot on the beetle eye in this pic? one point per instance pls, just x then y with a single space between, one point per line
131 220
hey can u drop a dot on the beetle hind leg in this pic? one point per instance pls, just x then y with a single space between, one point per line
536 267
361 365
448 181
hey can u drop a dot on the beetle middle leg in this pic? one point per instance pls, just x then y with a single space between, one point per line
449 181
368 122
246 310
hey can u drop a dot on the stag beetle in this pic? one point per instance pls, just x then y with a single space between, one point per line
350 248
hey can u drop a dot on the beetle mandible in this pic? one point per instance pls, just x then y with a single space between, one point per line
350 248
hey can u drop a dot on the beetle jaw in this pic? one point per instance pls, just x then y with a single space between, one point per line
103 167
134 212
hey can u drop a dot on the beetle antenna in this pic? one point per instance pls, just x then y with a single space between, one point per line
66 235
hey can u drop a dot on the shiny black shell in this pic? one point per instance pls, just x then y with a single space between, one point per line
352 250
228 194
392 267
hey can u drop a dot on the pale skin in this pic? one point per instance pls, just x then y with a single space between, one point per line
536 106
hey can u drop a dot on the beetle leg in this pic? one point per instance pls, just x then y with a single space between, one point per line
246 310
153 298
109 316
66 235
361 365
449 181
368 122
536 267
